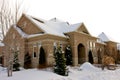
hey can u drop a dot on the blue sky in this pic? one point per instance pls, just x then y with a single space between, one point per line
98 15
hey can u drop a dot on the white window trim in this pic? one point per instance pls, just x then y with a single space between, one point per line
39 46
34 45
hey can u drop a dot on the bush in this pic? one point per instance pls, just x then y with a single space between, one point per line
60 63
68 55
16 64
16 67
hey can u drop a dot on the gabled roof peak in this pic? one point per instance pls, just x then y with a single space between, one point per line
105 37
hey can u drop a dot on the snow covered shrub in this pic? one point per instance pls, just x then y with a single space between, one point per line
16 64
60 63
68 55
107 60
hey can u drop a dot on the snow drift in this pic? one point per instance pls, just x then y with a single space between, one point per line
88 66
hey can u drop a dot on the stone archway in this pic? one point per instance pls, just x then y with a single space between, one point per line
81 53
90 57
42 57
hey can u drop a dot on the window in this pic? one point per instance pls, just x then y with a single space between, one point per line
24 24
34 55
34 51
90 44
94 44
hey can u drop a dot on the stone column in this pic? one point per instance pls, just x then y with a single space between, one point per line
75 55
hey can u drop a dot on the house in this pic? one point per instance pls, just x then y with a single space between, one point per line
34 36
110 46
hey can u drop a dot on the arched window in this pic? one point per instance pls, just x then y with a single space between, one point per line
90 57
81 53
34 54
34 50
42 57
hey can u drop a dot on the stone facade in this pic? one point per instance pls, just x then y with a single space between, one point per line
111 49
31 34
13 42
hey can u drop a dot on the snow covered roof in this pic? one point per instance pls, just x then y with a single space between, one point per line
54 26
56 20
24 35
104 38
74 27
100 42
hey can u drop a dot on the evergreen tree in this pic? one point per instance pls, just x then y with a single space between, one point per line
60 65
16 64
68 55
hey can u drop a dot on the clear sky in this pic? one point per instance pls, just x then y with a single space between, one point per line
97 15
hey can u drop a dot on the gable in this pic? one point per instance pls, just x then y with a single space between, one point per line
28 26
83 29
10 35
105 38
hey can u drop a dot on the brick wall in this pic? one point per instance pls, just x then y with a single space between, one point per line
14 41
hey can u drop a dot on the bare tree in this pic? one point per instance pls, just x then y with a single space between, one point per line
10 12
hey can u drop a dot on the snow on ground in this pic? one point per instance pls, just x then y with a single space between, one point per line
85 72
89 67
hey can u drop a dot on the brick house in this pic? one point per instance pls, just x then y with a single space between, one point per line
31 35
110 47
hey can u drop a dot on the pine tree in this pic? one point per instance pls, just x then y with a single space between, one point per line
60 64
16 64
68 55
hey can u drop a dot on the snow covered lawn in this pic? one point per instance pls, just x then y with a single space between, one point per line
84 72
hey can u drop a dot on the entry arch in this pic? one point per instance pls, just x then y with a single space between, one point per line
90 57
42 57
81 53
